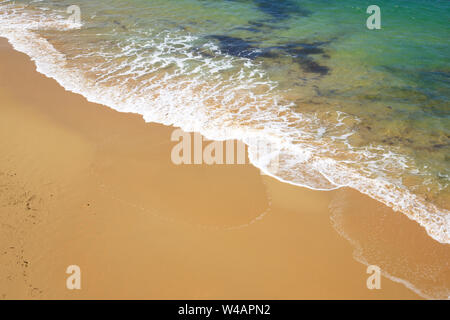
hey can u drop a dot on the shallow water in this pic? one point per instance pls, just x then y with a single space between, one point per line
344 105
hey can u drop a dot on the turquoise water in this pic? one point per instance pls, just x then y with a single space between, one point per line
344 105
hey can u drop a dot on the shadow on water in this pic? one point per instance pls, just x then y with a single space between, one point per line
300 53
279 9
236 47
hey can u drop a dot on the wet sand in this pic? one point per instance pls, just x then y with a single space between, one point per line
81 184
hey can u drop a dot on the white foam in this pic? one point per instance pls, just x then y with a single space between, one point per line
337 218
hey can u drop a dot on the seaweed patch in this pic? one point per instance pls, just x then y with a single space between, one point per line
237 47
279 9
299 52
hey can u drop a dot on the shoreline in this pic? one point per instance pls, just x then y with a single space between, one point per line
323 176
84 184
50 62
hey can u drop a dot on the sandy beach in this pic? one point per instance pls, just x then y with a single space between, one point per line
82 184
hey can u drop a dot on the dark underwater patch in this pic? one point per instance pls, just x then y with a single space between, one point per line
279 9
237 47
309 65
299 52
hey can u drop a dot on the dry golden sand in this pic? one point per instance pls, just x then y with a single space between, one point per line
83 184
